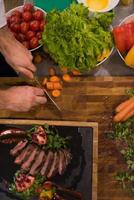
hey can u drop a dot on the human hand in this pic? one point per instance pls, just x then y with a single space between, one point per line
16 55
23 98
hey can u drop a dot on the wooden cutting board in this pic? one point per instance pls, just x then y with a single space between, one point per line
88 99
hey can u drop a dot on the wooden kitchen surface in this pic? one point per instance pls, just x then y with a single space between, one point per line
88 99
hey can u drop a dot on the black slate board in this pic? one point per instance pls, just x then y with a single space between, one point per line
78 175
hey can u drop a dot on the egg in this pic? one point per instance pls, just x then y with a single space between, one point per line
97 5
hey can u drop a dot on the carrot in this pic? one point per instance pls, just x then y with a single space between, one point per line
75 72
54 79
122 114
45 80
130 114
64 70
51 71
49 86
66 78
57 86
37 59
124 104
56 93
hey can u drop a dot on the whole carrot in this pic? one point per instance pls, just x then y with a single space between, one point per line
130 114
124 104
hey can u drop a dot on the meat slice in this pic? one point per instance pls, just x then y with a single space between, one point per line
26 152
62 162
24 182
18 147
40 158
27 163
68 156
54 167
47 164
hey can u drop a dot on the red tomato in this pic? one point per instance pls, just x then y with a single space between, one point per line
38 14
14 19
26 44
129 34
119 38
16 13
27 16
21 37
39 35
48 185
34 43
34 25
15 27
28 7
42 25
24 27
30 34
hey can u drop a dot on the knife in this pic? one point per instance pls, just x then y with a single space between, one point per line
45 92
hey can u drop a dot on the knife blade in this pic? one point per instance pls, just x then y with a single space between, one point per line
45 92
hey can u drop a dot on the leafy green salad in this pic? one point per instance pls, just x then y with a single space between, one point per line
75 39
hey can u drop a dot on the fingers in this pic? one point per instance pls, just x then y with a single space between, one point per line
41 100
31 67
26 72
38 91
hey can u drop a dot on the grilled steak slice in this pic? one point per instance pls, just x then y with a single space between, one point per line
26 152
62 162
54 167
47 164
23 182
40 158
67 156
27 163
18 147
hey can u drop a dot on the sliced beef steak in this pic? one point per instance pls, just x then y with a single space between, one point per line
25 153
18 147
39 160
27 163
47 164
54 166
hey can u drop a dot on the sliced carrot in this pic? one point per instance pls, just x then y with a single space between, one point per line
37 59
49 85
75 72
121 115
66 78
45 80
57 86
51 71
56 93
54 79
64 70
130 114
124 104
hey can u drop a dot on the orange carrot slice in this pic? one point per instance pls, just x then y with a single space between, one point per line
49 86
54 79
56 93
75 72
66 78
57 86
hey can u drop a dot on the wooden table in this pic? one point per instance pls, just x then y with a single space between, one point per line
91 100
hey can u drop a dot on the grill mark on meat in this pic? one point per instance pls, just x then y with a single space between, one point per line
41 158
26 165
62 162
54 167
18 147
47 164
67 156
20 158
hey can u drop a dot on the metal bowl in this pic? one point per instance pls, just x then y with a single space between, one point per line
9 13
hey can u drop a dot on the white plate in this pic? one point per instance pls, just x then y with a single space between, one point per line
112 4
9 13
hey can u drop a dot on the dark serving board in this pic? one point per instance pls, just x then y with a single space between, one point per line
79 174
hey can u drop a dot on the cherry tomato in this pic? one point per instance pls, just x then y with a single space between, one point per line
24 27
14 19
39 35
38 14
27 16
34 43
26 44
16 13
21 37
48 185
15 27
34 25
42 25
28 7
30 34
